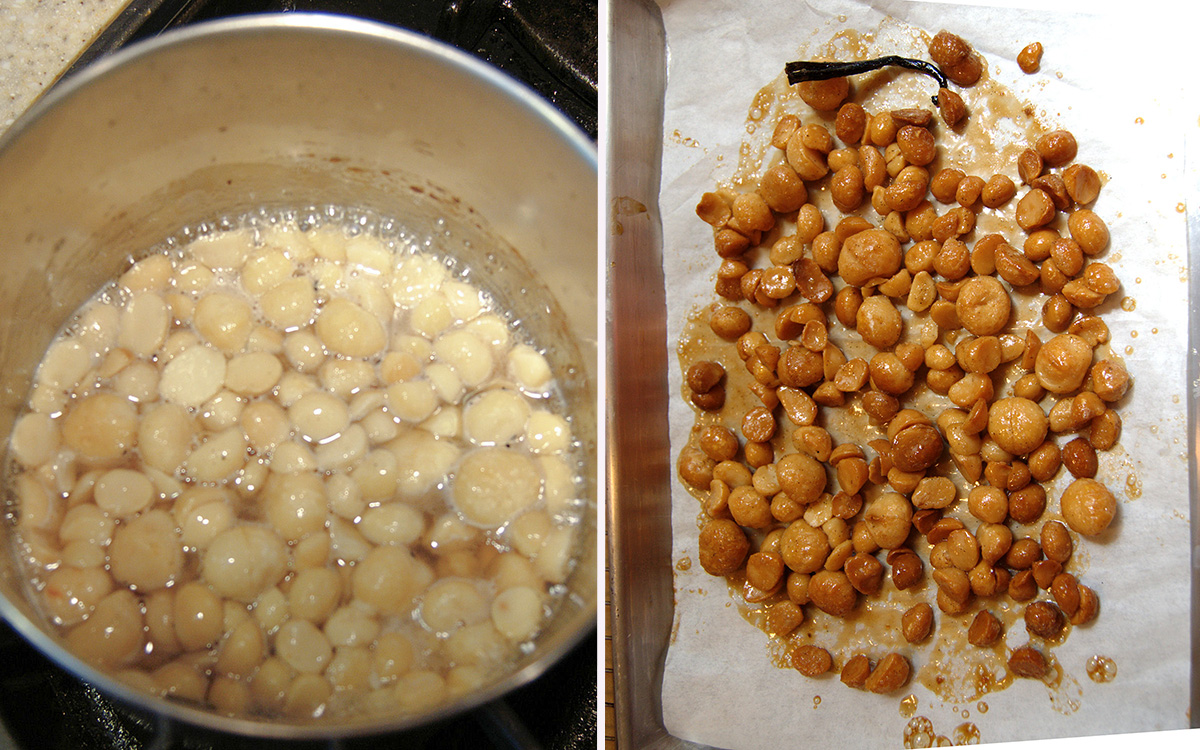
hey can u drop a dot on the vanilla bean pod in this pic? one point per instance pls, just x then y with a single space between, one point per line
800 71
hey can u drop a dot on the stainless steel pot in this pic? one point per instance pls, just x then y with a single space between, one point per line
295 110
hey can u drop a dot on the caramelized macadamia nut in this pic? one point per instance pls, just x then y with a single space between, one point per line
889 675
801 477
811 661
1062 363
832 593
1018 425
888 519
1027 662
1029 59
869 255
723 547
983 306
824 96
804 548
917 622
985 629
729 322
1088 506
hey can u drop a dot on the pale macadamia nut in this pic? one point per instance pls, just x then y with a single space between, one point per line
102 426
123 492
193 376
251 439
146 553
494 484
496 417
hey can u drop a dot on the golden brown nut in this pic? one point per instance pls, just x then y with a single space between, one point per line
951 107
1027 504
832 592
888 519
1088 507
1044 619
956 58
784 617
916 448
713 209
695 467
1028 662
988 504
983 306
850 123
917 622
801 476
1062 363
869 255
824 96
723 547
811 661
804 548
1110 381
702 377
1035 210
1083 184
846 188
865 573
889 675
917 145
1080 458
1065 590
1089 607
855 671
1057 147
1018 425
1030 58
1029 166
879 322
729 322
997 191
749 508
985 629
907 569
1056 541
782 189
1089 230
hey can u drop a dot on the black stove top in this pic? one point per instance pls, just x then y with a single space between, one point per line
551 45
43 707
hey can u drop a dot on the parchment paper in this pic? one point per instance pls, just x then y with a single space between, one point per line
720 687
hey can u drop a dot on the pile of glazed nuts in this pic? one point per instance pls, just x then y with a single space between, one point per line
1007 411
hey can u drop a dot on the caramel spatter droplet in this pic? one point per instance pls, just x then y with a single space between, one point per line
919 733
1101 669
966 734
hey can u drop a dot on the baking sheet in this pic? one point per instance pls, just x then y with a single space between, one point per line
719 685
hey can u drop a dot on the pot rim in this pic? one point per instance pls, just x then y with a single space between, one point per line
412 42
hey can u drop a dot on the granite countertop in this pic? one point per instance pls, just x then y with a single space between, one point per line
38 41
